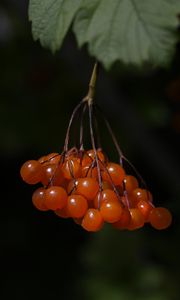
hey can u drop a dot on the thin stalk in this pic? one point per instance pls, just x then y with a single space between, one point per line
66 144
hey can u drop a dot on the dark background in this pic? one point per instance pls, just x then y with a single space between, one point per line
42 255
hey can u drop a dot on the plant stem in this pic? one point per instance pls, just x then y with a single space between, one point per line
92 84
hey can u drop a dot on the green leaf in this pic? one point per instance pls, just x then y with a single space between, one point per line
130 31
51 20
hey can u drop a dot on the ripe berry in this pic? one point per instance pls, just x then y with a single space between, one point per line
111 211
105 196
115 171
87 187
53 158
71 168
32 172
124 220
55 197
77 206
38 199
131 183
93 220
89 171
137 219
145 208
63 212
141 194
53 174
160 218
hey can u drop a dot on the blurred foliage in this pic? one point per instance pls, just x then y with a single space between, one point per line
43 256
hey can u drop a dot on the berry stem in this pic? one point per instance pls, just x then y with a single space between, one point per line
66 144
94 146
92 84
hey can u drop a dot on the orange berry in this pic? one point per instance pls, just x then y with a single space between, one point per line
115 171
88 171
77 206
141 194
131 183
93 220
71 168
111 211
123 221
53 174
105 196
38 199
137 219
87 187
145 208
160 218
32 172
53 158
55 197
63 212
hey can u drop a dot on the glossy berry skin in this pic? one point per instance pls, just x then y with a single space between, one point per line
77 206
87 187
93 220
160 218
111 211
88 171
89 157
137 219
55 198
38 199
105 196
124 220
53 174
141 194
130 182
71 168
53 158
32 172
62 213
116 173
145 208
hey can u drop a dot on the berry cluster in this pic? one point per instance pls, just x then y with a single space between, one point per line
86 186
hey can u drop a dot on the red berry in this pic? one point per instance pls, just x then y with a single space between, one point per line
55 197
87 187
53 174
160 218
111 211
93 220
32 172
38 199
63 212
131 183
71 168
105 196
145 208
124 220
137 219
115 171
77 206
141 194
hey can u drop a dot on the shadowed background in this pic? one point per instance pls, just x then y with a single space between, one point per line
42 255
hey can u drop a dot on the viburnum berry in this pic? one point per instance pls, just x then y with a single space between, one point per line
86 186
105 196
32 172
111 211
55 198
93 220
113 173
77 206
137 219
124 220
71 168
38 199
160 218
